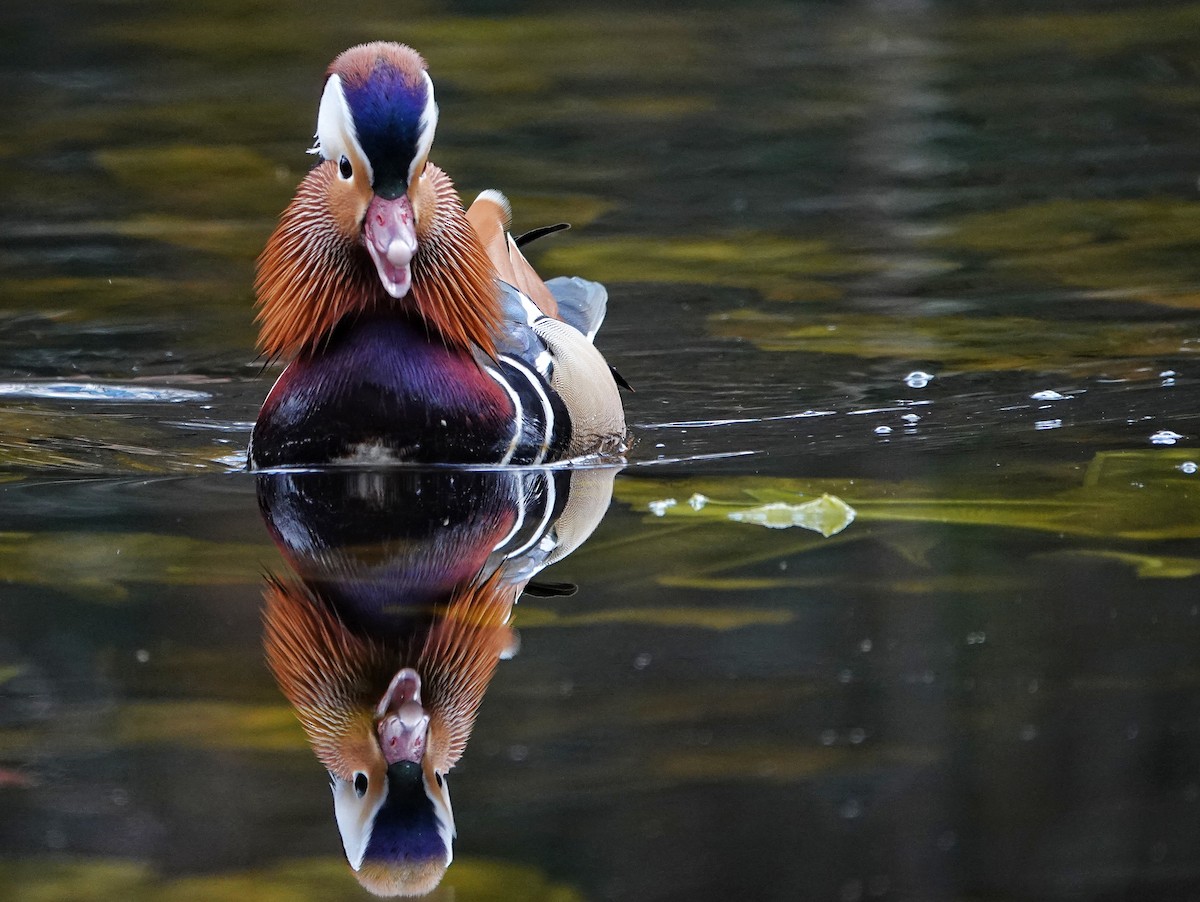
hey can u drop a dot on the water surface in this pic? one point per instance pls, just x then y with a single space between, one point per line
935 260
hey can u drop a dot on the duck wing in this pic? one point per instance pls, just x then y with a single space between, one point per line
489 216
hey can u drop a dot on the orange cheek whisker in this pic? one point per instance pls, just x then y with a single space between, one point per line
312 273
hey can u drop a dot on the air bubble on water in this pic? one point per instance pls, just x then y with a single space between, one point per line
1165 437
659 508
883 430
846 675
865 646
1188 466
918 379
1047 395
697 501
851 808
641 662
142 656
1047 424
976 638
911 419
828 737
857 735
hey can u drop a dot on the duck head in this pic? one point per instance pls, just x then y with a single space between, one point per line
388 718
394 815
376 122
374 225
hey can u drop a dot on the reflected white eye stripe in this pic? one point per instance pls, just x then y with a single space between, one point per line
336 133
428 125
445 817
356 817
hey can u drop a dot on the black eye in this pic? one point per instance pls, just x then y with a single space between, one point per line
439 777
345 168
360 779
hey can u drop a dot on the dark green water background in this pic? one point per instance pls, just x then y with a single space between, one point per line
986 687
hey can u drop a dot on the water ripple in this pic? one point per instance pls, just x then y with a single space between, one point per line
98 391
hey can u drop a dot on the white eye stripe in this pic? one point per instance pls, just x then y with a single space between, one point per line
336 135
428 125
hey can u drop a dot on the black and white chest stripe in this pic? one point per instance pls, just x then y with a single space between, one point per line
541 424
540 421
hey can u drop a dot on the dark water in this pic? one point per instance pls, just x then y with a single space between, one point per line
986 686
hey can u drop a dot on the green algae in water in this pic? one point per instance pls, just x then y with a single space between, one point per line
101 566
715 619
1141 495
959 343
295 880
1139 249
777 267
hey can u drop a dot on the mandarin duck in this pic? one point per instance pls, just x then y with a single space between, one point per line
416 330
387 639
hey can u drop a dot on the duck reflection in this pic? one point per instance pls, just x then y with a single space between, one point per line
387 637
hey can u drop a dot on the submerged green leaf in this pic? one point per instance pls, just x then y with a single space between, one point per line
1129 496
827 515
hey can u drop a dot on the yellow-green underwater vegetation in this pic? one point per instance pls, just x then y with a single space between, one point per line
897 595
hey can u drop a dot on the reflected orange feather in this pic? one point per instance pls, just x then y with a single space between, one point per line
334 677
326 672
460 656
